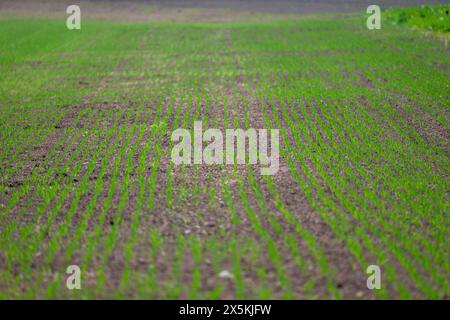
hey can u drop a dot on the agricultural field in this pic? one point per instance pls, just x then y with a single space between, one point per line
86 118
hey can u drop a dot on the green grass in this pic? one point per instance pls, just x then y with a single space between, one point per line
428 18
86 118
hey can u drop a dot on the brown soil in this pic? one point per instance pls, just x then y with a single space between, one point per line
193 10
